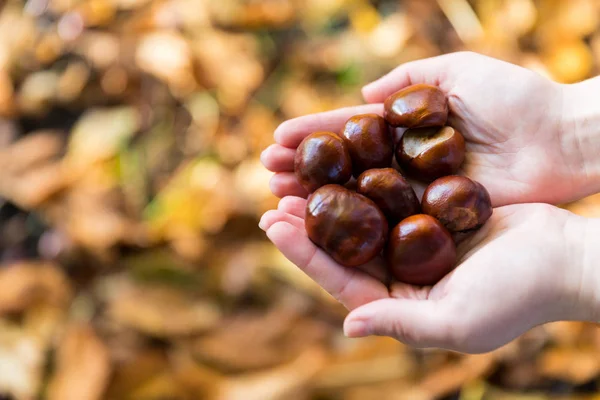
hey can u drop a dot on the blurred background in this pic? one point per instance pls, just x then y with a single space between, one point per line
132 266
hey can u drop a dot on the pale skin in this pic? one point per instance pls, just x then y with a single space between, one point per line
529 140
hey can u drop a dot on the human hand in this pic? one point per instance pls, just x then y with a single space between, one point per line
523 268
511 118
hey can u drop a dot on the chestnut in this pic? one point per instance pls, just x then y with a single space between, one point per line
458 202
346 225
416 106
429 153
420 251
322 158
391 192
369 142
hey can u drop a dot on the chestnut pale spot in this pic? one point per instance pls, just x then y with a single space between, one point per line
429 153
415 145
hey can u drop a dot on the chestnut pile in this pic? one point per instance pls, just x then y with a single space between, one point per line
383 213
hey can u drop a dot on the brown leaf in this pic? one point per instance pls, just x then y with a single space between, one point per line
30 172
167 56
199 380
82 366
372 370
72 81
229 63
131 373
35 149
575 365
364 362
163 311
251 340
565 333
145 376
454 375
394 390
276 384
38 92
37 186
25 284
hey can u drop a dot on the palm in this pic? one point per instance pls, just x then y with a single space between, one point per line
510 118
508 273
518 261
509 129
510 264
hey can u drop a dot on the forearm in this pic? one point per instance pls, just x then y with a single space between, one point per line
581 132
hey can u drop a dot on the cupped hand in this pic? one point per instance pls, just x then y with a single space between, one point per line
520 270
511 118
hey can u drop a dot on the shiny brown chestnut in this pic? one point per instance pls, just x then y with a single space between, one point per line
420 251
369 142
416 106
458 202
346 225
391 192
322 158
429 153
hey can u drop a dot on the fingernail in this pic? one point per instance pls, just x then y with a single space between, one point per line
262 224
367 86
356 328
365 89
262 156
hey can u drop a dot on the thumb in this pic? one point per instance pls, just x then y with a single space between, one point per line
419 323
430 71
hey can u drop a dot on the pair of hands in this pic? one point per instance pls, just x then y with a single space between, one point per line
521 269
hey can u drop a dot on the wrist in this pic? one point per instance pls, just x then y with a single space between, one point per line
580 134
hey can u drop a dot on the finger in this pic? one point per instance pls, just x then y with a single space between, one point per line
290 133
277 158
297 206
350 286
273 216
418 323
293 205
429 70
285 184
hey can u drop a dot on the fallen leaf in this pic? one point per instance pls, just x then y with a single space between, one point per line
162 311
82 366
454 375
37 92
571 364
36 149
25 284
276 384
22 362
251 341
99 134
167 56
